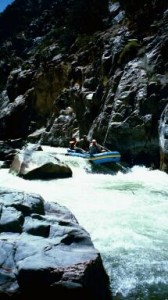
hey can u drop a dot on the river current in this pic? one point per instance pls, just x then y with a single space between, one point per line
126 216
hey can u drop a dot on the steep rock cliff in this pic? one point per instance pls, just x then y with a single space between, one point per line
85 69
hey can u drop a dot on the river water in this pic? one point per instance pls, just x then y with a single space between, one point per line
126 216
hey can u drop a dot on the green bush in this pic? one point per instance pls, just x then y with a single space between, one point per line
129 51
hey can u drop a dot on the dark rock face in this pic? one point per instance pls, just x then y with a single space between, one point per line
105 77
44 251
163 133
8 151
139 11
15 117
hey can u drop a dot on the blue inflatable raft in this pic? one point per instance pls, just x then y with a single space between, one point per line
98 158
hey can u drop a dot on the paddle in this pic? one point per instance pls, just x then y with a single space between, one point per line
104 147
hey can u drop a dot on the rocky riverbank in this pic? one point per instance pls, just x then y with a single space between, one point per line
44 251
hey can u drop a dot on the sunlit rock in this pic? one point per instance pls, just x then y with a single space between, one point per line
31 164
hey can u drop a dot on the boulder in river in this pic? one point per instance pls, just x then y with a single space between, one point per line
31 164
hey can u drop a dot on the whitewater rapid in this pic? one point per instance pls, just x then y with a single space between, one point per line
125 215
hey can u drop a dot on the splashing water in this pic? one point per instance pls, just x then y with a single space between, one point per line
126 216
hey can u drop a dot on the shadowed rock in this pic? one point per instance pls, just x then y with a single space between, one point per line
163 135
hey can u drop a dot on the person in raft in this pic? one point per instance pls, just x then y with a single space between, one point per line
84 143
95 148
73 146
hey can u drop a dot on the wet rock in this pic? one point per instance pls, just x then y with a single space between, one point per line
50 254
